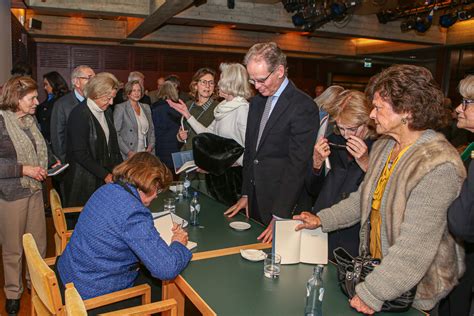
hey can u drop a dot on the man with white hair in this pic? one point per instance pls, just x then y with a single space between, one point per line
134 75
63 106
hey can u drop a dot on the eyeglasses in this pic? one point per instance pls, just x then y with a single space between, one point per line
466 102
85 78
261 81
206 82
347 129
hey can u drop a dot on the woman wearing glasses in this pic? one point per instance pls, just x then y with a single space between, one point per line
92 146
230 122
348 152
115 233
201 108
461 211
132 120
413 176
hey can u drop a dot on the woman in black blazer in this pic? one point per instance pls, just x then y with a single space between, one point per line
92 146
347 150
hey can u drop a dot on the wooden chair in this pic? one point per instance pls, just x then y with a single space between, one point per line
62 234
45 294
75 306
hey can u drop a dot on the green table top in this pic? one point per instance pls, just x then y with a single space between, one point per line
214 231
231 285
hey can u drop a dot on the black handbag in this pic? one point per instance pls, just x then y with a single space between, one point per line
214 153
351 271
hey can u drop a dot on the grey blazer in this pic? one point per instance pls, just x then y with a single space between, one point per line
127 127
59 116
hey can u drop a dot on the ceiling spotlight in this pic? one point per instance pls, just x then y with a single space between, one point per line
464 15
407 25
447 20
423 23
298 19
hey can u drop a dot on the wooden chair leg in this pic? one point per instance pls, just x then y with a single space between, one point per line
33 294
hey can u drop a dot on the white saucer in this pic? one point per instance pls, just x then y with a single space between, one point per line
252 254
240 225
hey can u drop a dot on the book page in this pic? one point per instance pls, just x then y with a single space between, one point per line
188 166
163 225
286 241
314 246
180 158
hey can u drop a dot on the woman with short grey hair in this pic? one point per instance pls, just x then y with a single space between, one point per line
92 146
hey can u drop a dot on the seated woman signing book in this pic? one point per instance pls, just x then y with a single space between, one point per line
115 233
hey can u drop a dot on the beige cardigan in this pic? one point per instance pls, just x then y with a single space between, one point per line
416 245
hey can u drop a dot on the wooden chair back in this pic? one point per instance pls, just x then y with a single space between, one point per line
74 303
46 298
62 234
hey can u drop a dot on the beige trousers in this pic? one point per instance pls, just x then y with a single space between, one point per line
17 218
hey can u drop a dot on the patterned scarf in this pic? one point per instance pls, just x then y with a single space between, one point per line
25 150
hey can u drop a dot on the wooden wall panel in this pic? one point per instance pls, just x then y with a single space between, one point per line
154 63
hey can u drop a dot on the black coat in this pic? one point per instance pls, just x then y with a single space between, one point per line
89 155
43 115
275 172
461 225
166 121
344 178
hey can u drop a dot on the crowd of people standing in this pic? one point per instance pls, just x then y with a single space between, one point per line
372 169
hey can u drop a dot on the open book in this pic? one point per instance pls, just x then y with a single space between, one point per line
163 225
57 170
183 161
307 246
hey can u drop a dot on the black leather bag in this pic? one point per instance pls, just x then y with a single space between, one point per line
214 153
351 271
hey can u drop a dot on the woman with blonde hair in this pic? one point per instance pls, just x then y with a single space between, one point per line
132 120
230 122
92 145
347 150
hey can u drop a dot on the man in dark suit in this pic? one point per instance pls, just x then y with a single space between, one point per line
63 106
281 130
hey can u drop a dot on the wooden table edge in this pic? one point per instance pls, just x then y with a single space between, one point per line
228 251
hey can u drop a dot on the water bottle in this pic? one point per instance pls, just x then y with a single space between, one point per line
186 185
315 293
194 209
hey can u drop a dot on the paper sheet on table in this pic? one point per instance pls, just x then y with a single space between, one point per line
163 225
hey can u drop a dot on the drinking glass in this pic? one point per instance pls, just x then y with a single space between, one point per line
271 265
179 190
170 205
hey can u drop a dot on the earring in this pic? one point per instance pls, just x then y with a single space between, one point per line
404 120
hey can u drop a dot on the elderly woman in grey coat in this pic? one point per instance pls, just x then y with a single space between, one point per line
24 159
413 176
133 122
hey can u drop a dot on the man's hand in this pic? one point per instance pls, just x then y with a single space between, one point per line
267 235
310 221
242 203
360 306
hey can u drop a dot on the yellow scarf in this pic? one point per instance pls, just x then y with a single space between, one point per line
375 217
